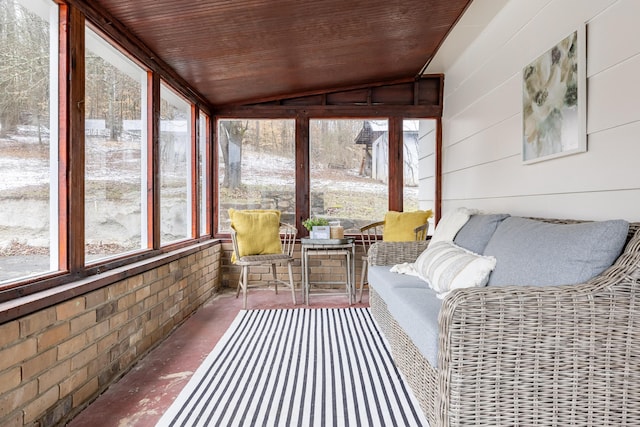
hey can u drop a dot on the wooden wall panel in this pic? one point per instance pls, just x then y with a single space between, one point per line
611 102
485 146
482 116
608 48
489 110
598 206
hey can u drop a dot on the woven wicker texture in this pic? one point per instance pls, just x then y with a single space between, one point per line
517 355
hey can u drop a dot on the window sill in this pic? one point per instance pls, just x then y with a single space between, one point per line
18 307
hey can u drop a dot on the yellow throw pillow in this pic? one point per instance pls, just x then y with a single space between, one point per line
257 231
399 226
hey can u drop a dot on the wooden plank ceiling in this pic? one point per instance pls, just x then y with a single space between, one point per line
236 52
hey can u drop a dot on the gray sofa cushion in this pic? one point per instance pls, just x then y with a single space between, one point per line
412 304
416 311
386 283
475 234
533 252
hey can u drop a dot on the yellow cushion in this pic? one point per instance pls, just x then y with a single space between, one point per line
257 231
399 226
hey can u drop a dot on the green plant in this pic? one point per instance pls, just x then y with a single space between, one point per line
309 223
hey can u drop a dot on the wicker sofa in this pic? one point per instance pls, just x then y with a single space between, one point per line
523 355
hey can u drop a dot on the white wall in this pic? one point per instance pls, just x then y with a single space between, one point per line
482 152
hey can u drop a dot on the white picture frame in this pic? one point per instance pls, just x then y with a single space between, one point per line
554 101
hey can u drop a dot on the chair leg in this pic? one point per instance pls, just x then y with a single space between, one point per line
239 283
275 276
245 274
293 287
362 277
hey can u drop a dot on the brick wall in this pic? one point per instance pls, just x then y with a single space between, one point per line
322 268
54 361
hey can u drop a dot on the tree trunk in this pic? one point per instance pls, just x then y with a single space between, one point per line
231 136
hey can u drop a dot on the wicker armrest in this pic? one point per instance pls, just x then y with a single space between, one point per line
391 253
554 355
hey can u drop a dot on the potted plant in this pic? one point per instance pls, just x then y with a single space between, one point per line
309 223
313 222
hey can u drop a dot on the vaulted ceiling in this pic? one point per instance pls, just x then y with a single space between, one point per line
236 52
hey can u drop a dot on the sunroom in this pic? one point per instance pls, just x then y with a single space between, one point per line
129 129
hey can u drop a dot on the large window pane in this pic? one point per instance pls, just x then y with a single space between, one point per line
115 140
257 167
28 138
175 167
202 170
410 156
349 171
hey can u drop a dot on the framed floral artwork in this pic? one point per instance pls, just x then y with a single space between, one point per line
554 101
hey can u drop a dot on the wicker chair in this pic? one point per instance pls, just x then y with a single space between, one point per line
514 355
288 239
370 234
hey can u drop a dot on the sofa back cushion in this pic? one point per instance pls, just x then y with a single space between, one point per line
446 266
475 234
531 252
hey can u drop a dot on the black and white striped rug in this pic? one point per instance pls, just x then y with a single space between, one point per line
297 367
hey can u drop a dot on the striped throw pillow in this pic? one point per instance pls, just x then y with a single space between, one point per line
446 266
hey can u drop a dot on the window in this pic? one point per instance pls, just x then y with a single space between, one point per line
28 138
175 167
203 162
410 158
115 151
256 168
349 165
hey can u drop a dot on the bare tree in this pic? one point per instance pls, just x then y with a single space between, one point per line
231 137
24 67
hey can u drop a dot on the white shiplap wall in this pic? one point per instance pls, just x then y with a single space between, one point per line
482 153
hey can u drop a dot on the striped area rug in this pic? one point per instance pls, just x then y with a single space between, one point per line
297 367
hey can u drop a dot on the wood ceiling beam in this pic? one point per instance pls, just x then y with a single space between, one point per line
410 98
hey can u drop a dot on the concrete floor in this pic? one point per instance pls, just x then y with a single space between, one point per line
140 397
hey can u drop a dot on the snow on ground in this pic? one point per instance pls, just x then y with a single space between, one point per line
264 168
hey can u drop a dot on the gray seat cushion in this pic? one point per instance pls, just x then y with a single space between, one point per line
476 233
533 252
386 283
416 311
412 304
